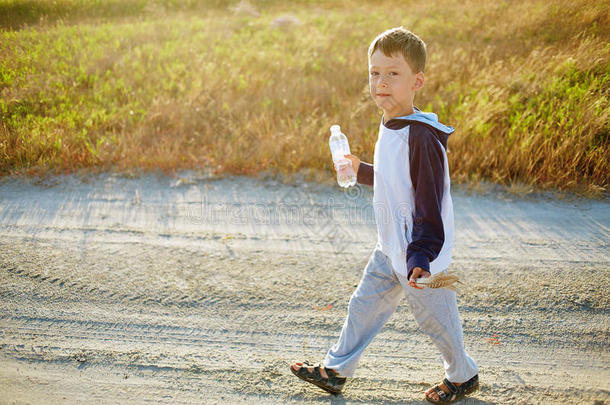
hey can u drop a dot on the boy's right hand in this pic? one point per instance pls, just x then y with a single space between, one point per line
417 273
355 162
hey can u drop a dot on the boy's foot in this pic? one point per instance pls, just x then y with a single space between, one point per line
326 378
447 392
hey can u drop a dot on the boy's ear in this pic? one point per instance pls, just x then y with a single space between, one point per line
419 81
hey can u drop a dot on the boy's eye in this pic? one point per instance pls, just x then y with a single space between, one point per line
374 73
393 73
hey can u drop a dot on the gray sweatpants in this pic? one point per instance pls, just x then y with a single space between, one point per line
376 299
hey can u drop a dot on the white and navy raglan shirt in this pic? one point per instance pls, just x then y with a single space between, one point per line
411 193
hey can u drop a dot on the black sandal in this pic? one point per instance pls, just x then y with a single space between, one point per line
333 384
456 393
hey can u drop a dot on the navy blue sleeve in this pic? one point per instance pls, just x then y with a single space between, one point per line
365 174
427 175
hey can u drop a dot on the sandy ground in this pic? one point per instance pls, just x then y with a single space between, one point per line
191 290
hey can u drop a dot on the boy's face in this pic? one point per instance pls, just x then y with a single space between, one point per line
393 84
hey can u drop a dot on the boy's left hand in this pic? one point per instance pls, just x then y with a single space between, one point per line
417 273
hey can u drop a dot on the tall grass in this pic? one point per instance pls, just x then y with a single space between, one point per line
239 89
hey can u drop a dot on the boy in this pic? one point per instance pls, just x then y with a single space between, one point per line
414 216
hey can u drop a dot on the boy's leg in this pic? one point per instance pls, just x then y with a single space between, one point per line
370 306
436 312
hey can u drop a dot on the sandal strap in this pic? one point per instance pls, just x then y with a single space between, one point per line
452 388
334 376
441 394
306 365
330 372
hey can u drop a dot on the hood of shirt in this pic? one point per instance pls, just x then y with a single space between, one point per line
429 119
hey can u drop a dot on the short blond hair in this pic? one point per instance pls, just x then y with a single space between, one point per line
399 39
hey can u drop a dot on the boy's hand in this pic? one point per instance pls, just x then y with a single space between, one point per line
355 162
417 273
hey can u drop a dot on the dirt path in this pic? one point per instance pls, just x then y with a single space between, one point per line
195 291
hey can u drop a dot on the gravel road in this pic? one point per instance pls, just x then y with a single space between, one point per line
195 290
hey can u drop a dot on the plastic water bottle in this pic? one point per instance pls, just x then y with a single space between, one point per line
340 147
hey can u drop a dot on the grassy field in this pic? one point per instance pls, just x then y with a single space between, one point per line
241 88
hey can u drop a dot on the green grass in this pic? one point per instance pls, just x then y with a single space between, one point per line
171 84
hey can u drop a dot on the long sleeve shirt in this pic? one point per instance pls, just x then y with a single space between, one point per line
427 175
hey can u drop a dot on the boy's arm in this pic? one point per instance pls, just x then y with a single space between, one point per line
365 174
428 177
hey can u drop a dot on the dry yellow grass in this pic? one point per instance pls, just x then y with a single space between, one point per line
526 84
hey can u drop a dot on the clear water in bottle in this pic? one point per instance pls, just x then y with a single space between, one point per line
339 147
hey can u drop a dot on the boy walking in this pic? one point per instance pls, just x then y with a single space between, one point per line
414 216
